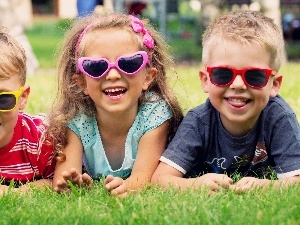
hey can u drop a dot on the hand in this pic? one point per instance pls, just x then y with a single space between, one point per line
116 186
3 189
214 181
249 183
75 178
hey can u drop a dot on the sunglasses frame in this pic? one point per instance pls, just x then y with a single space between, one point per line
16 94
242 72
112 65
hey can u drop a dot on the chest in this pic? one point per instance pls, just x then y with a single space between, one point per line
114 148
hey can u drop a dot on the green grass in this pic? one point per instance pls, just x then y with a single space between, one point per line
152 206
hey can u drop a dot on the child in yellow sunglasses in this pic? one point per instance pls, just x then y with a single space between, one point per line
26 154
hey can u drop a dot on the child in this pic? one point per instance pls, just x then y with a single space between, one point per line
244 129
26 155
115 112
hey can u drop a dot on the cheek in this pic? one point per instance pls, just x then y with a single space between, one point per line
215 90
9 119
261 96
90 86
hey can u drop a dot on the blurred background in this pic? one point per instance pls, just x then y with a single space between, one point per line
40 24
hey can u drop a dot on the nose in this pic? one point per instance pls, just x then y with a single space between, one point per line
238 83
113 74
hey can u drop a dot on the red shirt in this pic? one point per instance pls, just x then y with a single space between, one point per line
29 156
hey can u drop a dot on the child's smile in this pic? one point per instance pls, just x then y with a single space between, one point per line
237 102
115 92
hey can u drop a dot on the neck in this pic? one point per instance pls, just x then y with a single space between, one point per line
116 123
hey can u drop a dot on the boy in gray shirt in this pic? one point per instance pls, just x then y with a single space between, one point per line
244 129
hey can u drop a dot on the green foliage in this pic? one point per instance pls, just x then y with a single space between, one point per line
293 51
44 38
152 206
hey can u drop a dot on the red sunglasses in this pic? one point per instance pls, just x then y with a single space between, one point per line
252 77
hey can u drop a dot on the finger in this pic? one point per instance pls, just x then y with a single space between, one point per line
66 175
213 186
245 184
225 182
75 176
87 180
115 183
108 179
119 191
61 186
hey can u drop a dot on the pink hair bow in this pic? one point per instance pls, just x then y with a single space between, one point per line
138 27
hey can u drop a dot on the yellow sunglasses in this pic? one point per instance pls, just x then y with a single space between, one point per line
9 100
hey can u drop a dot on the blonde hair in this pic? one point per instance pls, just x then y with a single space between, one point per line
12 57
246 27
71 100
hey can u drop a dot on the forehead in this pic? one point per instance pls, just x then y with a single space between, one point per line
110 40
9 84
239 55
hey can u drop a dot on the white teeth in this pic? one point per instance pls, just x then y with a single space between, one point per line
114 90
237 99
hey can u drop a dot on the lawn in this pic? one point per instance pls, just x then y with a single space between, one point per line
151 206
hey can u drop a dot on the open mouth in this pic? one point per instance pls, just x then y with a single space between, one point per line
238 102
115 92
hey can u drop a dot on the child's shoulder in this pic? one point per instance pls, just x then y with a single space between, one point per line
32 124
278 105
154 104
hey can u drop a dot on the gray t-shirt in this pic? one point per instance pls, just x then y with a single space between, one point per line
271 149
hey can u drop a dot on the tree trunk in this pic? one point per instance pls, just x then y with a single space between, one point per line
271 9
210 9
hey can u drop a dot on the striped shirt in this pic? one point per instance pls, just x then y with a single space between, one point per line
29 156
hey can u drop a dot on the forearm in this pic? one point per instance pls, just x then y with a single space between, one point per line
138 181
166 181
248 183
40 184
285 182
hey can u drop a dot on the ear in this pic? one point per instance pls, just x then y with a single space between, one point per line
203 75
277 81
24 97
80 82
151 74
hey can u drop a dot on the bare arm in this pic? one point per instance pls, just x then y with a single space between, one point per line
151 147
166 176
249 183
41 184
71 168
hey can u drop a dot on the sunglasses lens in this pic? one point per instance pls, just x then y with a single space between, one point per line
221 76
7 101
131 64
256 78
95 68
